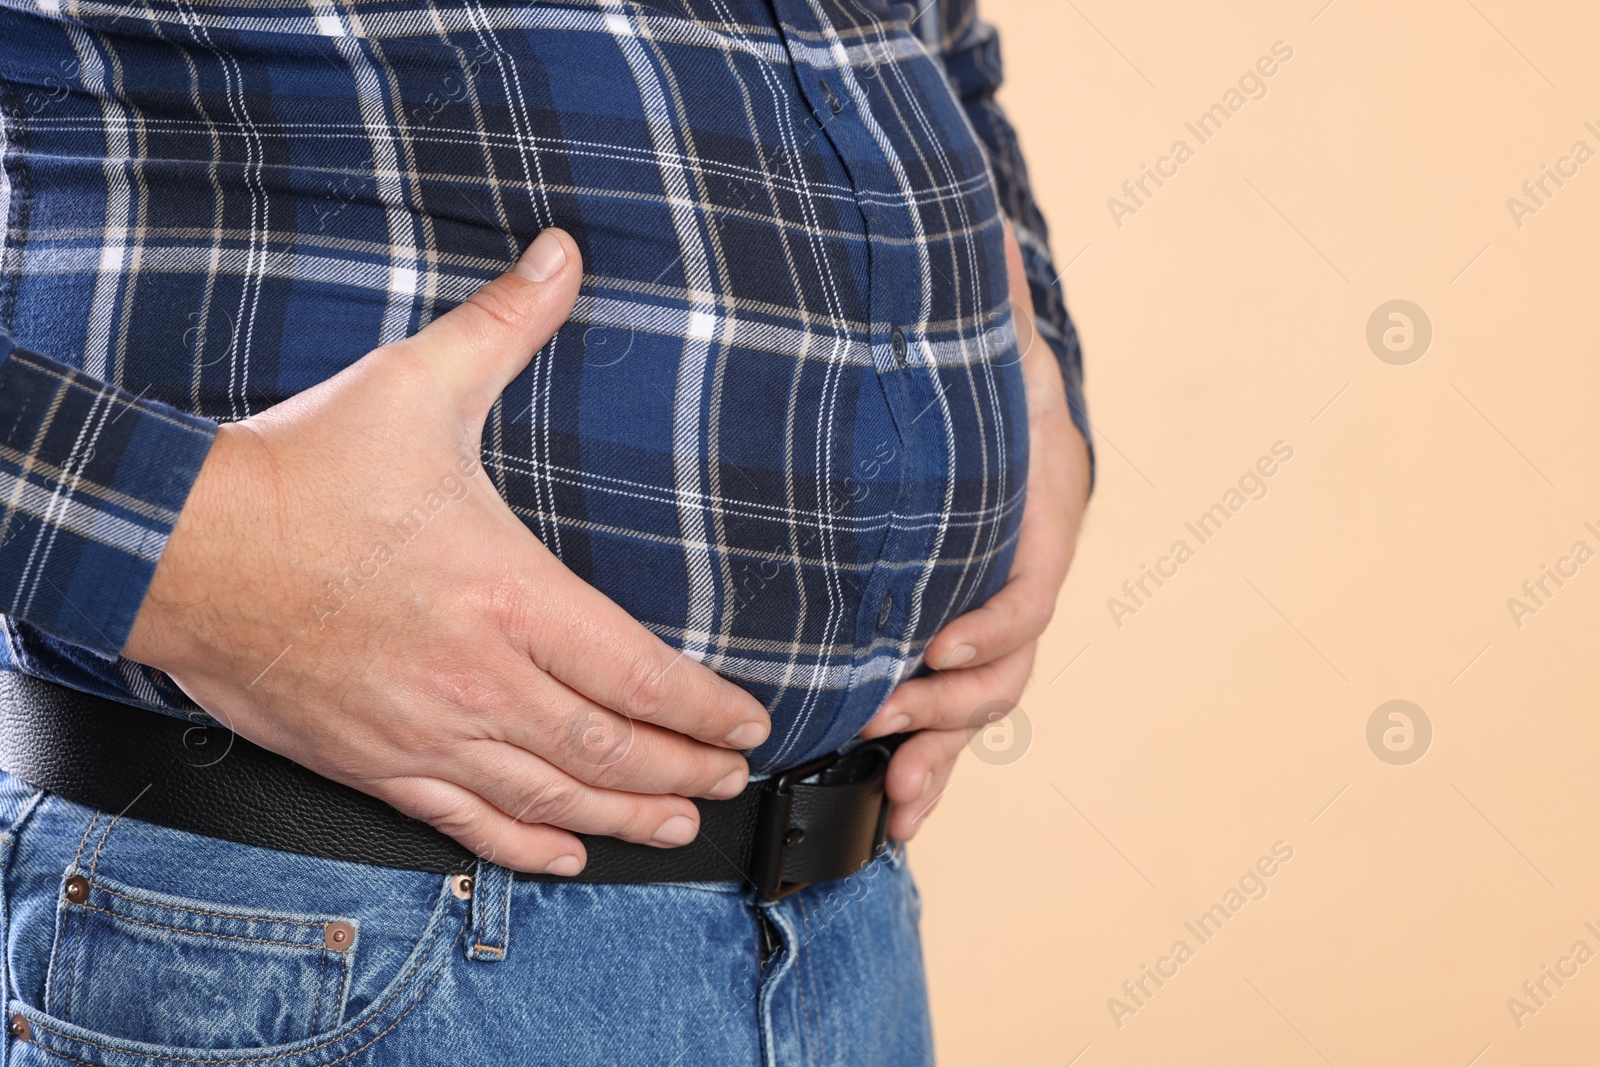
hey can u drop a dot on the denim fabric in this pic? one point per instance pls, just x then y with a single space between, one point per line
191 950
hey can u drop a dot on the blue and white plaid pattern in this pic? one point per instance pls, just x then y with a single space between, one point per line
785 428
92 486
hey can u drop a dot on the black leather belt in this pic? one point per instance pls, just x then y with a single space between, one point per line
815 823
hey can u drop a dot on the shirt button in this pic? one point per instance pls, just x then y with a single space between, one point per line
898 340
884 609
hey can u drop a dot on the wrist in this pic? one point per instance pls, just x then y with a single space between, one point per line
164 633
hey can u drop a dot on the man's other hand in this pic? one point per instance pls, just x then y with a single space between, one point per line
987 654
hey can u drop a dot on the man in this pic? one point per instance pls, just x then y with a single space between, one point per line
746 463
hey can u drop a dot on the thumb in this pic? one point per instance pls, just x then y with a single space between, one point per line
479 346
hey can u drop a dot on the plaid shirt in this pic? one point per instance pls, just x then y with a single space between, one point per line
785 427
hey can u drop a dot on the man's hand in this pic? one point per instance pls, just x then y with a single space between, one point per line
987 654
346 587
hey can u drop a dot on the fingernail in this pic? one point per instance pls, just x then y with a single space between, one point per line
731 786
749 735
566 866
927 783
543 259
678 830
958 655
896 724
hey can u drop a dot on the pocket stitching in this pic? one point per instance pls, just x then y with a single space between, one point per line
71 955
65 995
316 1003
340 994
247 916
395 994
94 860
197 933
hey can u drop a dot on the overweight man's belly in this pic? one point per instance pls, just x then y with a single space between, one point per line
785 427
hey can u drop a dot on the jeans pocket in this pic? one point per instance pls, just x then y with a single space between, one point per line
127 944
142 965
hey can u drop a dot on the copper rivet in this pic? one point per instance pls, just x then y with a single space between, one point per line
461 885
20 1028
338 935
77 890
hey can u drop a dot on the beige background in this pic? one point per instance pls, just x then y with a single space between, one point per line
1230 711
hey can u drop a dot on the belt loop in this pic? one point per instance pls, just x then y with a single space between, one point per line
491 911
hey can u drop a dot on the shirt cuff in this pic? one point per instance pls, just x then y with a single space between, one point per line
92 479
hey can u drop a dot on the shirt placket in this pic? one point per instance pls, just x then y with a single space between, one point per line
897 283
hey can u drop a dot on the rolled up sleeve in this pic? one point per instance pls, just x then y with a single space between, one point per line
92 479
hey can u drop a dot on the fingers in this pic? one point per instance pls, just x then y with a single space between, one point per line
482 828
947 710
1011 618
601 651
530 790
1046 542
477 348
919 774
601 747
953 699
1057 488
1024 606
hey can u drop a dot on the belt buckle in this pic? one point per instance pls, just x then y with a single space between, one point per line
774 835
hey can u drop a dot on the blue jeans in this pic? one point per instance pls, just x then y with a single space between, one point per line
130 945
